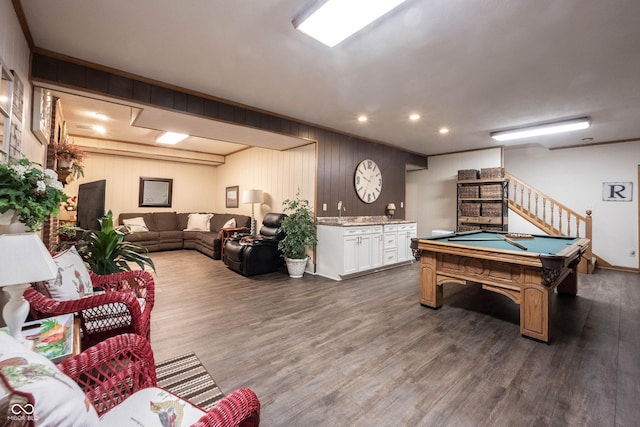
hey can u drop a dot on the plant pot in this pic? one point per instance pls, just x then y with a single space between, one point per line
65 163
8 218
296 267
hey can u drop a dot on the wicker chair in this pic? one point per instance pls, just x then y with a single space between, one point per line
113 370
114 312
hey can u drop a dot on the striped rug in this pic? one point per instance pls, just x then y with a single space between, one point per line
185 376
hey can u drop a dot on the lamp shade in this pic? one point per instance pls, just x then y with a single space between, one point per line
251 196
391 206
24 259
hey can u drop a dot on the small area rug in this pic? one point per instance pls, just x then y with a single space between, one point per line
186 377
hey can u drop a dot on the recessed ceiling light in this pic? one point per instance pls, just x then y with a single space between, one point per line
336 20
414 117
444 131
100 116
543 129
362 118
171 137
99 129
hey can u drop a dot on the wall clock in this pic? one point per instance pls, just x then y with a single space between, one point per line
368 181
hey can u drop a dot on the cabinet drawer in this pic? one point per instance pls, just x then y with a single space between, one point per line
376 229
390 240
407 227
390 228
356 231
390 256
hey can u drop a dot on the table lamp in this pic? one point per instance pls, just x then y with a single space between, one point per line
23 259
252 196
391 210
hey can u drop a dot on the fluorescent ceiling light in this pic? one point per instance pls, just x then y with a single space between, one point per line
336 20
171 137
544 129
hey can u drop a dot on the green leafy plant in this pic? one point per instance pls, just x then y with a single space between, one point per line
299 228
107 252
31 192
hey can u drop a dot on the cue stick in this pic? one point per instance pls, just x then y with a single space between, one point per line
486 239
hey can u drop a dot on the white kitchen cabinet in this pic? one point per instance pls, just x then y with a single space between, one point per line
344 250
405 233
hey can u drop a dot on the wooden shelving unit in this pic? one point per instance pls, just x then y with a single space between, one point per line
482 204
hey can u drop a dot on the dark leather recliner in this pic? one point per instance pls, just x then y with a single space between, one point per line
251 255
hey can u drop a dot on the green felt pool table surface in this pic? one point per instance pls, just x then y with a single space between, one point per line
541 244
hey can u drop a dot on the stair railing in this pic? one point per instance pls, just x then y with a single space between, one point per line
547 213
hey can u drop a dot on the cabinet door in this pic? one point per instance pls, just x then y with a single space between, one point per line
364 252
351 254
404 244
376 250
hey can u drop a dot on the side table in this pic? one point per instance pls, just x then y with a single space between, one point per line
226 235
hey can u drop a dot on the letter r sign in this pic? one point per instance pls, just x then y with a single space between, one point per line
617 191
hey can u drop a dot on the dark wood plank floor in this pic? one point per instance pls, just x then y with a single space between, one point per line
364 352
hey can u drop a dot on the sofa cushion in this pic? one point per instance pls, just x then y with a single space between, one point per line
152 407
164 221
182 220
209 239
170 236
72 281
147 217
54 399
230 224
219 220
136 225
148 236
199 222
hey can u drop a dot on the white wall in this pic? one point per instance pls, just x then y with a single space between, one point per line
431 193
279 174
15 54
195 187
575 176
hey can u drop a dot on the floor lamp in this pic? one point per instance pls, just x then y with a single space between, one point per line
24 260
253 197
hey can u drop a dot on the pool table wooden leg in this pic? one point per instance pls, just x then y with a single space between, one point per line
569 284
430 292
534 306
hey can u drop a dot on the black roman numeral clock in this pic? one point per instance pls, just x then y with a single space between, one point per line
368 181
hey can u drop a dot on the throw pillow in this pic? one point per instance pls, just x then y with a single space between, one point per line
135 225
73 280
53 399
198 222
230 224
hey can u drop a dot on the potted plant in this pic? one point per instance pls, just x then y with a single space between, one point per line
107 252
28 194
299 233
69 157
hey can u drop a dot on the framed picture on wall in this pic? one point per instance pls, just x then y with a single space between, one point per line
41 117
232 196
155 192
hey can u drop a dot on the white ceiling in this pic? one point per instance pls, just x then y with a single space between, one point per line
474 66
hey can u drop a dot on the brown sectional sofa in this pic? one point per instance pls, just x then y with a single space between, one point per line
166 232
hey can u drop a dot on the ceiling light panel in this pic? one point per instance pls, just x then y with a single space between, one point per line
171 138
543 129
336 20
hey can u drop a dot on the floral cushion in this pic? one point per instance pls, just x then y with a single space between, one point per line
152 407
136 225
73 280
199 222
49 398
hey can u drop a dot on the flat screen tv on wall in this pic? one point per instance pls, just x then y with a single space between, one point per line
91 197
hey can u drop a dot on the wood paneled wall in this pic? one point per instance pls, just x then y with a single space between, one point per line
338 154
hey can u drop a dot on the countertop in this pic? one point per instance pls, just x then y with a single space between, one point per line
354 221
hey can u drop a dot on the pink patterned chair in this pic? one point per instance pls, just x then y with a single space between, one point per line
124 306
118 376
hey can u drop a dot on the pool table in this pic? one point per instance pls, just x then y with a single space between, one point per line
526 270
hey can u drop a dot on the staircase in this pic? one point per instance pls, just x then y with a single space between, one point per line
551 216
